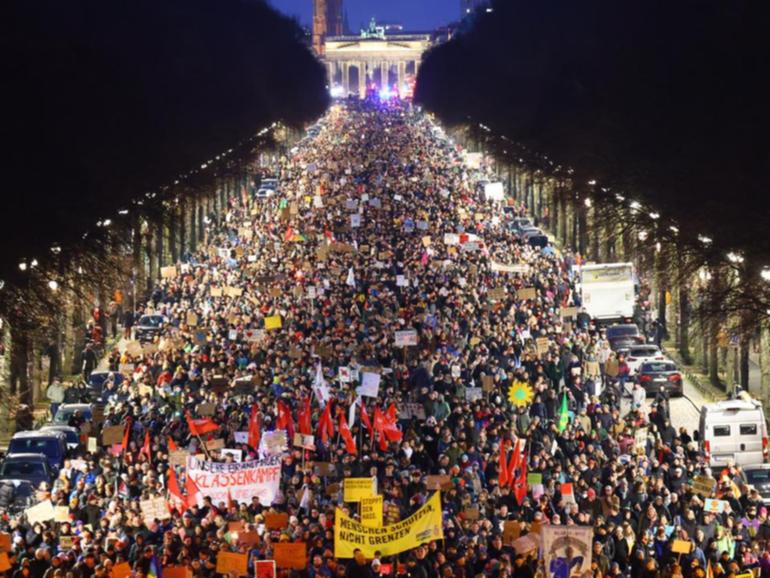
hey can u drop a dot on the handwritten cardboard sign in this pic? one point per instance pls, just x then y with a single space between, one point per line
232 563
112 434
276 520
290 555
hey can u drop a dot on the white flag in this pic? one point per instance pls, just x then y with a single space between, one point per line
351 280
352 412
319 386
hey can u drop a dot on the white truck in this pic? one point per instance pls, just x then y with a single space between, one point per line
607 290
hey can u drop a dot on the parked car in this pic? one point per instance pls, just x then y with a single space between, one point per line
264 193
758 477
733 430
16 495
149 327
660 376
28 467
538 241
97 381
521 224
71 434
623 336
51 444
638 354
269 183
67 410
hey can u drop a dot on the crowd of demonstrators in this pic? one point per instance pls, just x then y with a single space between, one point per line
378 227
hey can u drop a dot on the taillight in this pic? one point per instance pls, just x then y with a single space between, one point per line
631 359
660 357
707 449
675 377
645 378
764 448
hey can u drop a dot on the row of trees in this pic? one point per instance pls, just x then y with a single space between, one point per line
711 305
640 127
129 126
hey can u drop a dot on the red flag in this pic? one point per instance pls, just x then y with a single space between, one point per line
178 500
255 428
172 445
326 425
201 425
366 421
146 447
193 491
126 435
285 420
502 467
350 444
514 463
304 417
520 484
390 428
379 427
289 235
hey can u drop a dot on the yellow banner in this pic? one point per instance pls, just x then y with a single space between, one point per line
355 489
421 527
371 511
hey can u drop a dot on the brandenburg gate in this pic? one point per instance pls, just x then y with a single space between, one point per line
373 58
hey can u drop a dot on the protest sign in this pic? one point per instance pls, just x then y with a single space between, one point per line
177 572
264 568
41 512
411 410
542 344
714 506
567 545
168 272
640 440
526 293
425 525
406 337
503 268
112 434
291 555
122 570
473 394
371 511
239 481
207 409
274 443
356 488
232 563
276 520
487 383
304 441
237 455
154 509
5 542
704 485
438 482
61 514
533 479
273 322
370 384
511 532
681 547
177 457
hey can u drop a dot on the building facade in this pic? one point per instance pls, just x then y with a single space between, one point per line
374 60
327 21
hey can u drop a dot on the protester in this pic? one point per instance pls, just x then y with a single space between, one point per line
380 307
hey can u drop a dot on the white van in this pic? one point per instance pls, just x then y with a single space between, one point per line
733 430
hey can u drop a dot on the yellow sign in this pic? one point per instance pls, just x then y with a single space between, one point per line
421 527
357 488
273 322
371 511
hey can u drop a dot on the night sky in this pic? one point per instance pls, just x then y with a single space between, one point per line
415 15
